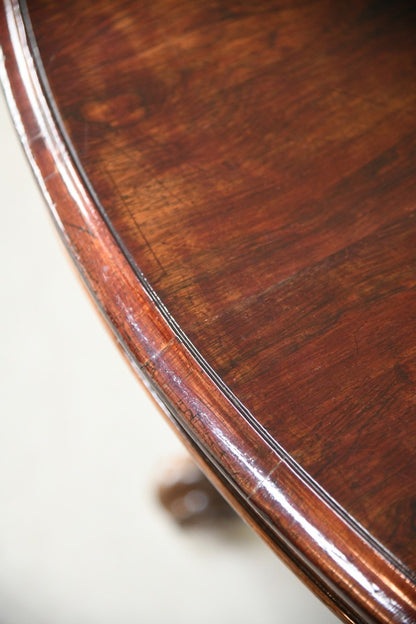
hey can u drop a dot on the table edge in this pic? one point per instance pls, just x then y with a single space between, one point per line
349 571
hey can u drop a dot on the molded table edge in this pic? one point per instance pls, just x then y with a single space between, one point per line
352 575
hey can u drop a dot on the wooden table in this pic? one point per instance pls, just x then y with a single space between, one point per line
236 184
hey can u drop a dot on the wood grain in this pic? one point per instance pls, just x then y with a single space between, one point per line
256 163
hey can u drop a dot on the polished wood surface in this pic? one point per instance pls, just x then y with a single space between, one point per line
237 184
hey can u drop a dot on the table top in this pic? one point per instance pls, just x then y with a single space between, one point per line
236 183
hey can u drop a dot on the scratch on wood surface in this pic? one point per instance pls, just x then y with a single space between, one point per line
38 135
156 355
260 484
50 175
136 223
80 228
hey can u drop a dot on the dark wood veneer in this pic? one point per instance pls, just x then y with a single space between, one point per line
256 163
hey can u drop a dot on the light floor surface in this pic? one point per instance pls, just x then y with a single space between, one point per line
82 538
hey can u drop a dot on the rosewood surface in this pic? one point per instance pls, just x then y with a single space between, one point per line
237 184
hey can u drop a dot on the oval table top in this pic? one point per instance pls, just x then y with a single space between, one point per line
236 184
